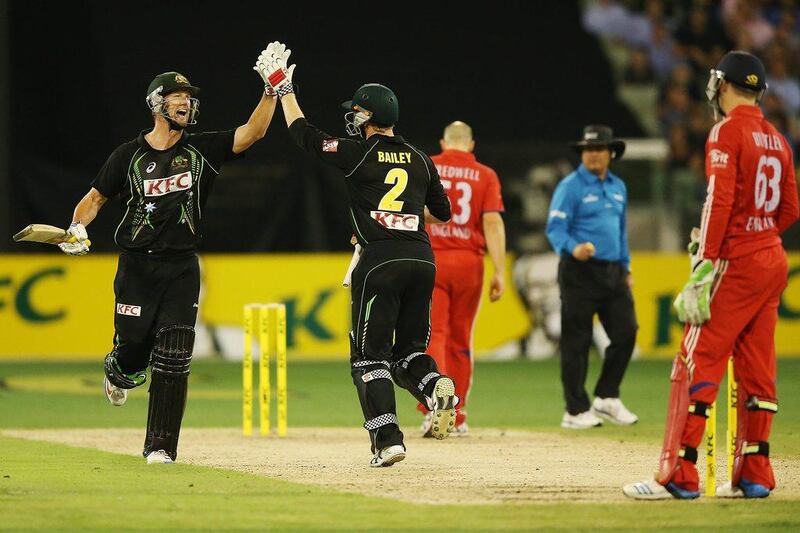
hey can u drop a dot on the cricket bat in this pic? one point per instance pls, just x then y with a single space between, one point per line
43 233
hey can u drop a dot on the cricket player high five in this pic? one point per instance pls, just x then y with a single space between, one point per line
389 182
730 303
163 178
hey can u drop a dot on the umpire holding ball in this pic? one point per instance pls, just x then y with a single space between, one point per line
163 178
586 226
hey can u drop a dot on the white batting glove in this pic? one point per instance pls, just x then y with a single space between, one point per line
77 232
273 67
74 248
78 240
265 55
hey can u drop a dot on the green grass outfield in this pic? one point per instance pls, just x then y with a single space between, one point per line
51 487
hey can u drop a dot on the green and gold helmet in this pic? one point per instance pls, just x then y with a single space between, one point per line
373 103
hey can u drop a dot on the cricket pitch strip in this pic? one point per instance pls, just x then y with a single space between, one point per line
488 466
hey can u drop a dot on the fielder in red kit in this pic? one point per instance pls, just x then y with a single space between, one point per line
459 247
730 304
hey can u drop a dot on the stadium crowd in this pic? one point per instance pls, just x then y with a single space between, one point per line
672 45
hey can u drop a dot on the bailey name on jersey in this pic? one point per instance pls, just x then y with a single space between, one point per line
400 158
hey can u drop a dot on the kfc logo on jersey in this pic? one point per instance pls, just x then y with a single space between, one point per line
129 310
330 145
160 187
718 158
396 221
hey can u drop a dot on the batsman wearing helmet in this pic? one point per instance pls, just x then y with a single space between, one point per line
163 178
390 183
730 303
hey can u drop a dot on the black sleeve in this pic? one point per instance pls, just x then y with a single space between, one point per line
341 153
113 174
216 146
436 200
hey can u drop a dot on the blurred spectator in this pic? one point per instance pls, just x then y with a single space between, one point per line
662 51
674 109
685 77
787 35
701 119
607 18
746 17
780 82
700 38
638 71
775 112
640 26
679 149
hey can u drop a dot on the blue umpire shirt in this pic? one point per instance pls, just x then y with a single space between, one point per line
586 209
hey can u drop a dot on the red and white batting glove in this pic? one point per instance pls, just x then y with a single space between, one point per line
273 67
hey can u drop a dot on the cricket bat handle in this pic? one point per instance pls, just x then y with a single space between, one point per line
353 262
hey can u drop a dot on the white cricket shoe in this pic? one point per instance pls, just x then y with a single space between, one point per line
115 395
427 426
388 456
727 491
584 420
746 489
443 407
159 457
460 430
647 490
651 489
613 410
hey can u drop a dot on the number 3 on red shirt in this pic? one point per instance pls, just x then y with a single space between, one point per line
772 182
463 202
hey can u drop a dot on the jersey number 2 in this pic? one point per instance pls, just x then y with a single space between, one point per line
764 182
399 178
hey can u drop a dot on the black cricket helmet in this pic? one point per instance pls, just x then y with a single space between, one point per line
170 82
374 103
743 70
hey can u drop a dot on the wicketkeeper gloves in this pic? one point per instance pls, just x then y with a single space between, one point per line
694 302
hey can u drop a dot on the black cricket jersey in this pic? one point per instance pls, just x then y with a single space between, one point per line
389 182
164 191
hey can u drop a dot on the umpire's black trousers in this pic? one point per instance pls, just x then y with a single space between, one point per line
589 287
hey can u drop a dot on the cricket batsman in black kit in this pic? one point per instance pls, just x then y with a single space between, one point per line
163 178
389 183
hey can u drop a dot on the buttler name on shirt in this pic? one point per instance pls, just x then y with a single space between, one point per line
162 186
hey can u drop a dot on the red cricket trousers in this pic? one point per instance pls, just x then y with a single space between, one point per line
744 313
456 297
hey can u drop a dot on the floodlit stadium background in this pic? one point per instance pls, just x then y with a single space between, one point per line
526 75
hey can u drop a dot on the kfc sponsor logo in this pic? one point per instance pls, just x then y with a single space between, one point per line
718 158
129 310
160 187
330 145
396 221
